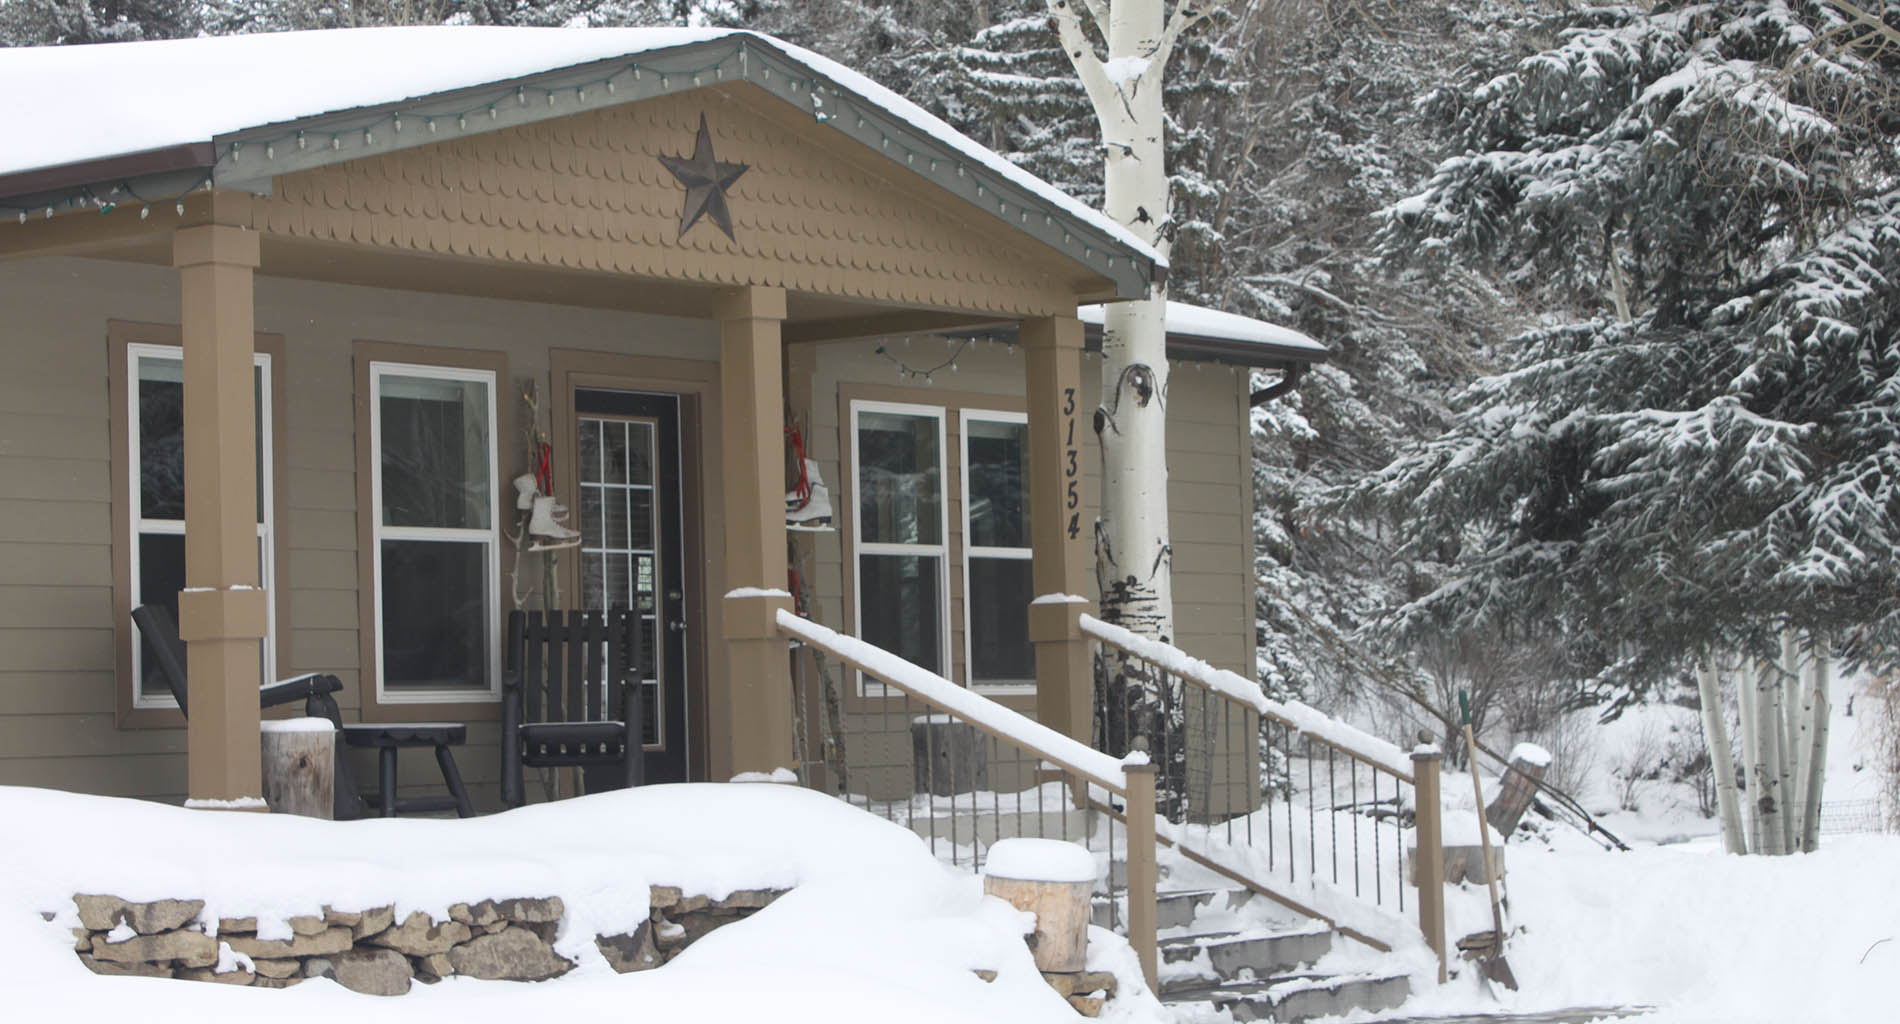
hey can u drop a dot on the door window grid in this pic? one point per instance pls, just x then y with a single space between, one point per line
422 546
1003 564
910 505
162 366
619 545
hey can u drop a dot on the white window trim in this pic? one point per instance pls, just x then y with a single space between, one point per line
490 537
940 550
139 525
1009 689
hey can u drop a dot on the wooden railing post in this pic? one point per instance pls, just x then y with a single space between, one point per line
1430 862
1141 868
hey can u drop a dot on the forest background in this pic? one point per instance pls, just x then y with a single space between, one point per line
1612 293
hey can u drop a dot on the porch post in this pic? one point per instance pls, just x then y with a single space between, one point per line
1060 528
221 613
751 708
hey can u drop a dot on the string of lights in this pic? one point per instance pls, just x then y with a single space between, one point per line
908 372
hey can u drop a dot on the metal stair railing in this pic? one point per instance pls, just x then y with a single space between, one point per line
964 771
1295 805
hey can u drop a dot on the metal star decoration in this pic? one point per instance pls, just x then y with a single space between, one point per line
706 180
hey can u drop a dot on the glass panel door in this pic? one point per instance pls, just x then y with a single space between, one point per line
620 554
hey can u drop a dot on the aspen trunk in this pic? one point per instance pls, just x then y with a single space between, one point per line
1791 752
1745 698
1816 778
1715 731
1133 552
1765 774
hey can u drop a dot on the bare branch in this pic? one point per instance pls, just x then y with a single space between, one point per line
1098 10
1075 43
1874 24
1185 17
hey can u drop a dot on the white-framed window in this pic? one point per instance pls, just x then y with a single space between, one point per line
154 417
900 532
997 587
436 538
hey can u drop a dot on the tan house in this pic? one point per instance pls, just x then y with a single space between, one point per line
359 301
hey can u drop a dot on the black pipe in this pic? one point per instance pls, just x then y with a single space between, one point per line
1289 380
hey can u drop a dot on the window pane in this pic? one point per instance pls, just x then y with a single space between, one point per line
161 577
1000 651
161 438
435 438
899 495
901 602
999 477
435 615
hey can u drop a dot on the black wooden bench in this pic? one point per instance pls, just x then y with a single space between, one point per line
570 698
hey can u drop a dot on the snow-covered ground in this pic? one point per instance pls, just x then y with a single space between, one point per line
1676 923
875 929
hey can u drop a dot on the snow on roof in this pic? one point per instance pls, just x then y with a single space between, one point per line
1202 322
112 99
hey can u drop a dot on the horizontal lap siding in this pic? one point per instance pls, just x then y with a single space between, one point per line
58 725
58 703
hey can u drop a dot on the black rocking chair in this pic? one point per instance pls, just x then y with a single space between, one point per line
569 698
315 690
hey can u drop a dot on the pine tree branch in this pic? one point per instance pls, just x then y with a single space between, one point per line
1075 43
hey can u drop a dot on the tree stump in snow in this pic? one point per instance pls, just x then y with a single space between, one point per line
1052 880
947 756
1528 764
299 757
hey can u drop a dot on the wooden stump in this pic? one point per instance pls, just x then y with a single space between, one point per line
1528 764
947 756
1059 896
299 757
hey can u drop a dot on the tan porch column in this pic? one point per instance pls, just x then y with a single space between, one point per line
750 710
1060 528
221 614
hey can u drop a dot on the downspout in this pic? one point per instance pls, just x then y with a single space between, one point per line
1289 380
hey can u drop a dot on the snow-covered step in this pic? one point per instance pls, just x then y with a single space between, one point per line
1300 997
1234 956
1172 909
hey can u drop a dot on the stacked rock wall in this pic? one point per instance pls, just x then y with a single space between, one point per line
370 951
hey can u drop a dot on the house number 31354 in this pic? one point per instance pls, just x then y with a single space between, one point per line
1071 475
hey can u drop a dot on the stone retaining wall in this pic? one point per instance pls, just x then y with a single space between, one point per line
370 951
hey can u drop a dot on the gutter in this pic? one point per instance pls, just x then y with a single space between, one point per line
1289 380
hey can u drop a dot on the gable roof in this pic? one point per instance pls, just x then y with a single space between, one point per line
149 120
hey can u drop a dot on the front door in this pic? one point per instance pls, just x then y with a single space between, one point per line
633 549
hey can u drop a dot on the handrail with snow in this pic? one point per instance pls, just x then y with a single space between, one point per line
1231 687
1090 772
987 715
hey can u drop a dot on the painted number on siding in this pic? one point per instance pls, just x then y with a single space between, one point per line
1072 483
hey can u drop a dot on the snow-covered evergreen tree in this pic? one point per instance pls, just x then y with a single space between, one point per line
1700 446
57 22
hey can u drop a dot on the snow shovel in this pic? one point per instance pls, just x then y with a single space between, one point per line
1491 962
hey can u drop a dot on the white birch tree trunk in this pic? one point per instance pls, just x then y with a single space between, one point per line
1765 774
1815 778
1721 761
1133 552
1745 698
1788 714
